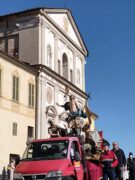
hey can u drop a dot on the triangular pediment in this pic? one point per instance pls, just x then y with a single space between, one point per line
64 20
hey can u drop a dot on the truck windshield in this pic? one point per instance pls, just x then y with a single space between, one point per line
48 150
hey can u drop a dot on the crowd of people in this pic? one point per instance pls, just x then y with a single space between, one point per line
115 165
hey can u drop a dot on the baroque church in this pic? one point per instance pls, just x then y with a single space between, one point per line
42 62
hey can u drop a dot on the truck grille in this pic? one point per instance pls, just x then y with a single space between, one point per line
35 177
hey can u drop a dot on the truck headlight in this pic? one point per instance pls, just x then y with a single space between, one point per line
18 176
54 174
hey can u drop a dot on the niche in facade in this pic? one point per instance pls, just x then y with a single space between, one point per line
65 65
49 56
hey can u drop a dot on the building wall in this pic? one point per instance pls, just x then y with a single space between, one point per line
40 40
29 45
36 33
60 45
65 24
14 112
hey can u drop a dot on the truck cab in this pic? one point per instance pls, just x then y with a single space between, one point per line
52 159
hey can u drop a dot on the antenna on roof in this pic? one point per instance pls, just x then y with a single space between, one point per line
65 3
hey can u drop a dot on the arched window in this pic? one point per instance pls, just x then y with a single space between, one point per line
49 56
65 66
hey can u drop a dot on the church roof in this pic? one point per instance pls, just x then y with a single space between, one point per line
55 16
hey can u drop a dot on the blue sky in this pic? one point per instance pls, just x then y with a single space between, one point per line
108 29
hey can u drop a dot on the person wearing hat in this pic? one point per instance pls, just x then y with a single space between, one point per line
109 162
121 167
131 166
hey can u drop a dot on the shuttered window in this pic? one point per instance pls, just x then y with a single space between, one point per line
14 131
15 94
10 45
31 95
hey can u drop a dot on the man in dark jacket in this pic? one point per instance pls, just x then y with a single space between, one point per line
131 166
119 169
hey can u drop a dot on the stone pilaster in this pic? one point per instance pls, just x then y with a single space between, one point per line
83 74
74 68
41 121
43 34
38 107
56 99
55 52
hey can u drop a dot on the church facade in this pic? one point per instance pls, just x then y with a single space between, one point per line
43 64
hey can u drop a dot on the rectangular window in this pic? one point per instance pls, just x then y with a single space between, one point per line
10 45
71 75
13 45
74 149
15 95
31 95
14 131
2 44
59 68
15 157
30 132
0 82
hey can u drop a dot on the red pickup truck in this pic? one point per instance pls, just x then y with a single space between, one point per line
53 159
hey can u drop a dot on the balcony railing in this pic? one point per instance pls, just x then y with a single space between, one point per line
13 53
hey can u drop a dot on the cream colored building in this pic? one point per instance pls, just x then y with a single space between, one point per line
50 42
17 112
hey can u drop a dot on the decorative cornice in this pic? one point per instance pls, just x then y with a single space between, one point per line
72 20
62 32
57 77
